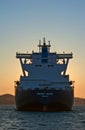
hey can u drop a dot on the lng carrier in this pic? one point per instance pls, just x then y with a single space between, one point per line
44 85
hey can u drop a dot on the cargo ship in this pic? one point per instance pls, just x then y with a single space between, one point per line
44 84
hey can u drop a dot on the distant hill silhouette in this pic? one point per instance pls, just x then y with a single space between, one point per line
7 99
10 99
79 100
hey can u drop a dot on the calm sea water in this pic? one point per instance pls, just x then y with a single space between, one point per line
10 119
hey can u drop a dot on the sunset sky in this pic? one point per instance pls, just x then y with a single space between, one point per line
24 22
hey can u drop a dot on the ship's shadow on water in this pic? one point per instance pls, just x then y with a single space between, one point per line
11 119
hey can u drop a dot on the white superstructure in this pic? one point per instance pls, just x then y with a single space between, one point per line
44 69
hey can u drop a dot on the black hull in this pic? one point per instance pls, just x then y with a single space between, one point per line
44 100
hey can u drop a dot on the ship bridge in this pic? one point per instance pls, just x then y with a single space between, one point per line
44 63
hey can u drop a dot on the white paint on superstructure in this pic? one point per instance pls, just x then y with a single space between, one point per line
44 69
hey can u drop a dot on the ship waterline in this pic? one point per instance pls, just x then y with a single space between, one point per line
44 86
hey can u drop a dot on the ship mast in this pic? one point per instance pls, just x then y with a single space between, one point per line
44 45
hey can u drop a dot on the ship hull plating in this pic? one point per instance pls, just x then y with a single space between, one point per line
44 100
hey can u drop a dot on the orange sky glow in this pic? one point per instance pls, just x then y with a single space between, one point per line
22 24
